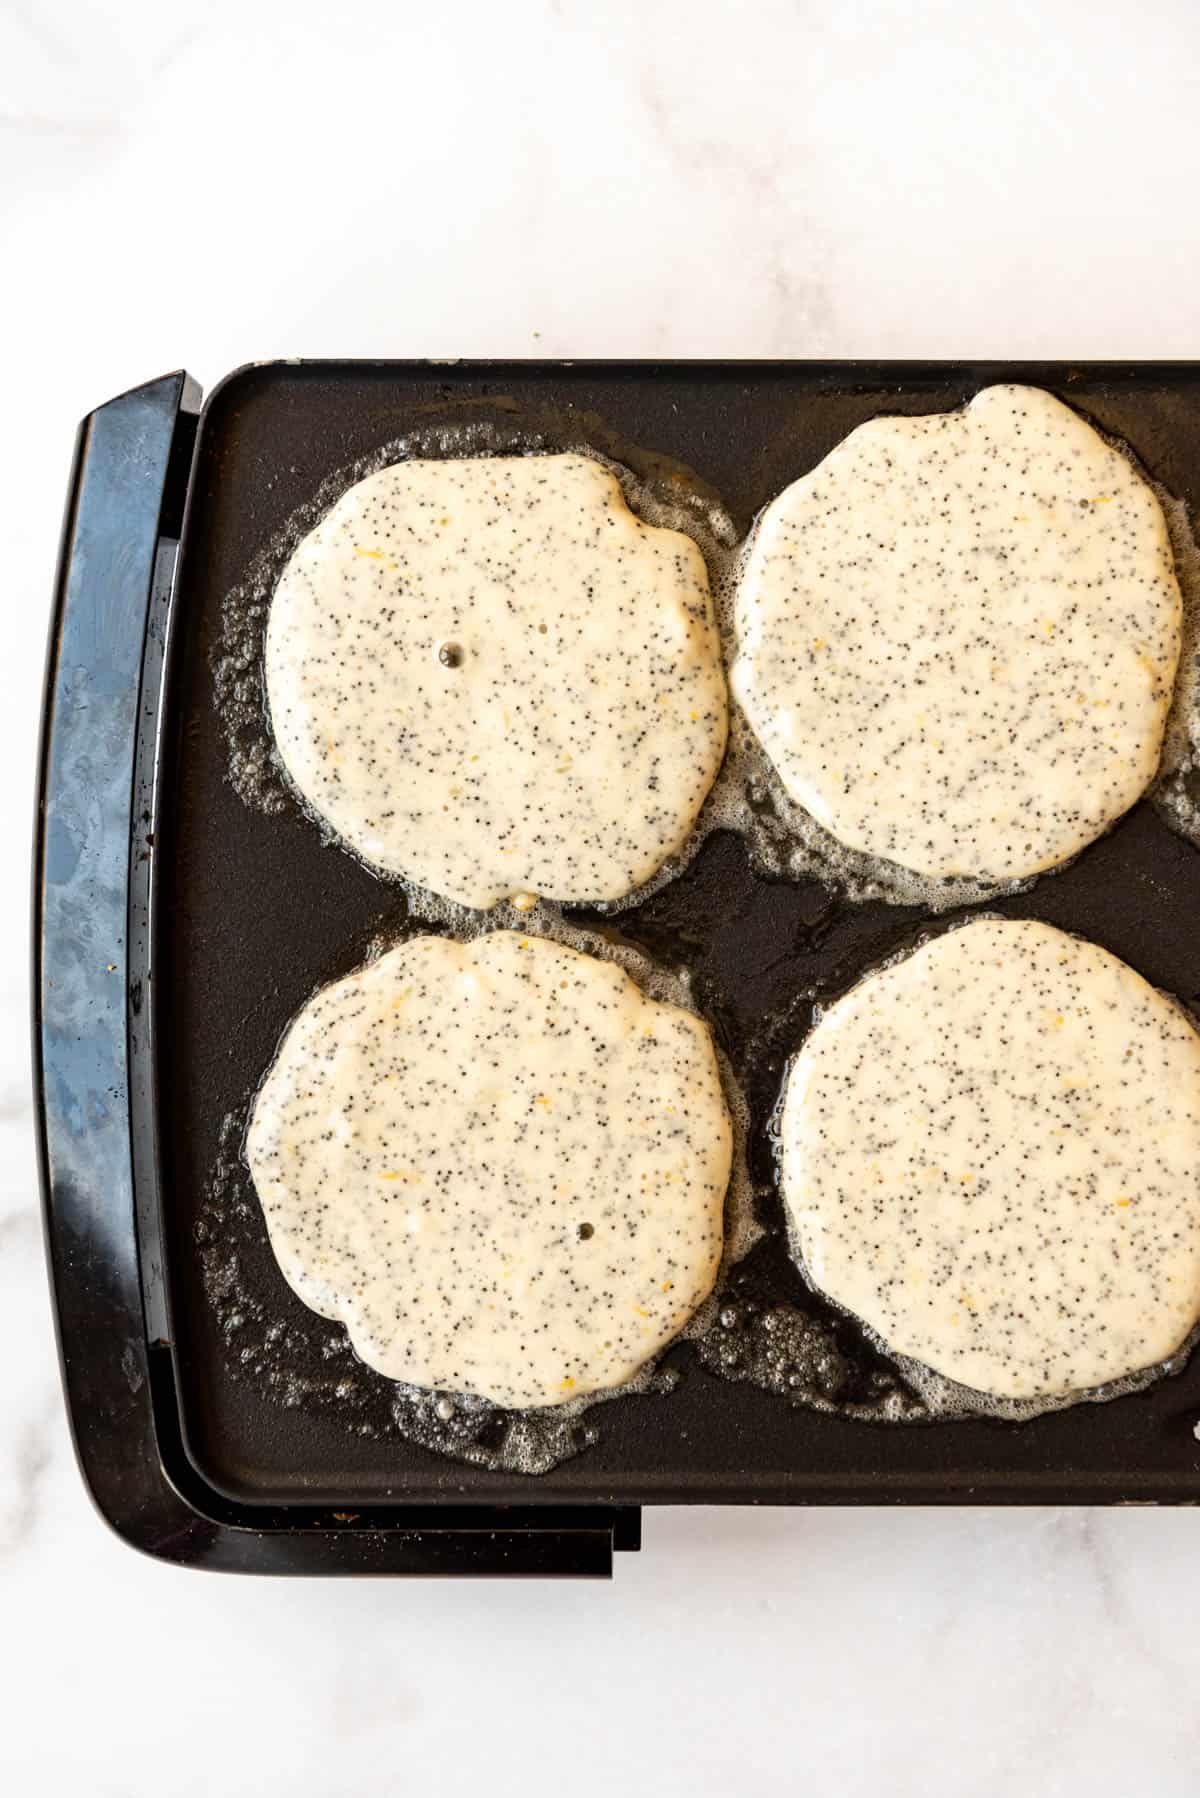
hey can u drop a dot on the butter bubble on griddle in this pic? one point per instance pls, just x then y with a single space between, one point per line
500 1164
488 676
958 635
991 1155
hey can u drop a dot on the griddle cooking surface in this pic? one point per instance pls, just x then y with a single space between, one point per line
254 912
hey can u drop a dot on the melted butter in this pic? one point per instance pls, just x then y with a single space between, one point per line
990 1155
957 637
500 1164
488 676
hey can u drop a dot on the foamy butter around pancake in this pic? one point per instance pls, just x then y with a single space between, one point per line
489 676
500 1164
991 1155
957 637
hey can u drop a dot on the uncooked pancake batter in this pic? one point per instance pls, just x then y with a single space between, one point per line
991 1155
957 637
500 1164
489 676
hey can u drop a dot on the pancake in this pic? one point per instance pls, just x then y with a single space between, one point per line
958 636
991 1155
499 1164
489 677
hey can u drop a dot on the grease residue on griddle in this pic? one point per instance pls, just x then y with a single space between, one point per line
1176 792
810 1354
833 905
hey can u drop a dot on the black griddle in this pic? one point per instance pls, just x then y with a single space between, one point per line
177 931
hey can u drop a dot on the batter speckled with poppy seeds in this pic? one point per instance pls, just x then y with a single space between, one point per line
489 676
958 636
500 1164
991 1155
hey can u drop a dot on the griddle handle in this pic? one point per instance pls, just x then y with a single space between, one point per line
124 502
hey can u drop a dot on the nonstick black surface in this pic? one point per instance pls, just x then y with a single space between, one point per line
254 912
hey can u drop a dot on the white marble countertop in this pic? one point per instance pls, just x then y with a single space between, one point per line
205 184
